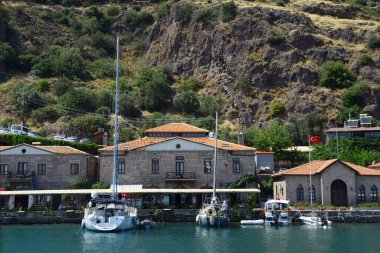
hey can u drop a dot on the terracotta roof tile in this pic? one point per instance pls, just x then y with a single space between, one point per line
139 143
176 128
53 149
316 167
374 166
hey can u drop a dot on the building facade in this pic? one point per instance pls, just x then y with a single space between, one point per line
44 167
177 155
332 183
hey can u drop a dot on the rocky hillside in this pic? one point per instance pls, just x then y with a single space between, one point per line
263 59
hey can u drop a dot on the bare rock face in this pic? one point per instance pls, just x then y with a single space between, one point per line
339 11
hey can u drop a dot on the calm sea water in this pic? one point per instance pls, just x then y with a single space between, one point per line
186 237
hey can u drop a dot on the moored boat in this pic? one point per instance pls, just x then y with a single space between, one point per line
277 212
315 220
252 222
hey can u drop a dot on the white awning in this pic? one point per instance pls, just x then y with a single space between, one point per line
130 191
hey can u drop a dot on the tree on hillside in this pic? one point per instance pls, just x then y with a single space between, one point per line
88 124
79 99
335 75
154 88
272 138
24 99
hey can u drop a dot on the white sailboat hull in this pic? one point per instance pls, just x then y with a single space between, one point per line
113 225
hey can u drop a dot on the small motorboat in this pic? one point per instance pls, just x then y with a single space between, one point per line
252 222
315 220
146 223
276 212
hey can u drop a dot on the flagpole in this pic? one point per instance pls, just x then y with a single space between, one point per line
337 141
311 191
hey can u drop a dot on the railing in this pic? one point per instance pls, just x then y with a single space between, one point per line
183 176
15 175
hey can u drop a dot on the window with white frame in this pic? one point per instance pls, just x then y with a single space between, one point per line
3 169
373 193
22 168
236 165
41 169
361 193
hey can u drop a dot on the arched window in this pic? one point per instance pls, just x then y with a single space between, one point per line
311 194
373 193
300 193
361 193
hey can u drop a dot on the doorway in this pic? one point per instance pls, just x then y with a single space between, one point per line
339 193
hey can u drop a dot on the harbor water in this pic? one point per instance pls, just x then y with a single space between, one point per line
187 237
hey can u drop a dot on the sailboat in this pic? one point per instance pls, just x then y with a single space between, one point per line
111 214
213 213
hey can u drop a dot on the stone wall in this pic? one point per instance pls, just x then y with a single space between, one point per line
57 168
139 168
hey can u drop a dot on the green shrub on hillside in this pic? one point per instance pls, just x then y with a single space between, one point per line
88 124
209 104
356 95
191 84
100 40
29 57
346 113
154 88
365 59
7 53
163 8
42 85
274 36
185 12
79 99
60 62
228 11
112 10
335 74
186 101
133 18
61 86
276 108
6 122
102 68
206 15
128 105
373 41
44 114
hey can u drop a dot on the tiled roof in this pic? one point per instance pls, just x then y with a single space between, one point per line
139 143
264 152
176 128
374 166
67 150
316 167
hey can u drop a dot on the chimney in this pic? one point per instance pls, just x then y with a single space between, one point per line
240 138
105 139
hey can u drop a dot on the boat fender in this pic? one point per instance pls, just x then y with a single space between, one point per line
289 210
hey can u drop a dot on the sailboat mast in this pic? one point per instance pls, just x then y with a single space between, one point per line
116 131
215 155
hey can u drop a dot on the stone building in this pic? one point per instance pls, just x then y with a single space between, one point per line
44 167
177 155
333 182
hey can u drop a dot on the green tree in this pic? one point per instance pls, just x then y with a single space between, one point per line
47 113
60 62
191 84
373 41
61 86
185 12
128 105
273 138
154 88
42 85
209 104
88 124
335 74
79 99
274 36
355 95
186 101
24 99
7 53
100 185
276 108
228 11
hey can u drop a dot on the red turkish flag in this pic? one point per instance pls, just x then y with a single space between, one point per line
314 139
